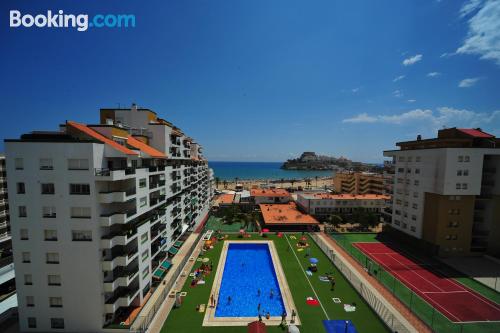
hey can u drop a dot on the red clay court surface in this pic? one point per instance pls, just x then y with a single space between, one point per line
456 302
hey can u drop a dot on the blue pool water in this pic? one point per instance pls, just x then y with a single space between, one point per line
248 268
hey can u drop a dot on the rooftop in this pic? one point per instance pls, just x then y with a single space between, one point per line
344 196
274 214
277 192
225 199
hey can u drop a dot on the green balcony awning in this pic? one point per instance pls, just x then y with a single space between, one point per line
173 250
159 273
166 265
178 244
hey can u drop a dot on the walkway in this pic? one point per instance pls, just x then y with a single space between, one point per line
485 270
397 307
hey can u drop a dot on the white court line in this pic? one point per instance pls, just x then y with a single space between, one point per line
303 271
415 272
444 292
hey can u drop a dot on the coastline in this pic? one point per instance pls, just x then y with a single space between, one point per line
321 182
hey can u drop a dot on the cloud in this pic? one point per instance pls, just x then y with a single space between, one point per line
354 90
469 7
399 78
361 118
483 36
397 93
431 120
433 74
412 60
447 55
467 83
412 100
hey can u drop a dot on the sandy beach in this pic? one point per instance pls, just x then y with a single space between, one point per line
287 183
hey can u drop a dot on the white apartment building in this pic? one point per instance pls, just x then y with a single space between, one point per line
94 212
321 204
446 190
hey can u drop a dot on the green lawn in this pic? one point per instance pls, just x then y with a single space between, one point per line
424 310
186 319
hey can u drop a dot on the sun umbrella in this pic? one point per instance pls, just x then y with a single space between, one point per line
242 231
265 230
205 260
304 238
313 260
293 329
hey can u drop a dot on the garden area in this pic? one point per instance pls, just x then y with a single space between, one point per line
295 263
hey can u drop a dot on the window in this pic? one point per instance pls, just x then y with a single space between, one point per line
143 202
50 235
28 279
144 238
466 158
80 212
459 172
416 182
48 188
20 188
46 164
464 186
52 257
145 272
460 159
145 255
417 171
417 159
401 158
142 182
79 189
414 217
78 164
31 322
24 234
458 186
19 164
82 235
415 194
405 225
30 301
54 280
55 302
49 212
56 323
408 170
22 211
454 237
413 229
466 172
415 206
26 257
401 170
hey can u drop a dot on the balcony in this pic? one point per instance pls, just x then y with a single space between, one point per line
122 238
116 196
114 174
121 281
123 297
121 259
117 217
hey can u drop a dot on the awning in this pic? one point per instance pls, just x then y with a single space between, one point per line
178 244
173 250
256 327
166 265
159 274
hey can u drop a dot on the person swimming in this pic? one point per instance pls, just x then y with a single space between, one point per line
228 299
258 292
271 294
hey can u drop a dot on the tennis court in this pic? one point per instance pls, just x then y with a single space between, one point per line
455 301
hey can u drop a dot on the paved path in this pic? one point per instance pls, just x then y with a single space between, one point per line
482 269
400 310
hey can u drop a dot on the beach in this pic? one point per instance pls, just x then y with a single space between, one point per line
321 182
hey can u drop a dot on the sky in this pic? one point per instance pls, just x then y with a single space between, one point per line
262 80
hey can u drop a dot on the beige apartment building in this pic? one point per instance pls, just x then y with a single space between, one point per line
358 182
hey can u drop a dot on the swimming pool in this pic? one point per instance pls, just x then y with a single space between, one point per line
249 268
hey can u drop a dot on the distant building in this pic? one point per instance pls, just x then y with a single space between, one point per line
358 182
269 196
286 217
325 204
447 191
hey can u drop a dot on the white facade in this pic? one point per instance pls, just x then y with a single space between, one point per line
94 223
326 204
444 171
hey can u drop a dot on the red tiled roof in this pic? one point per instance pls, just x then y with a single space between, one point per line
278 192
274 214
225 198
476 133
90 132
348 196
145 148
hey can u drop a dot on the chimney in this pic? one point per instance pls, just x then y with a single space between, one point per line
419 137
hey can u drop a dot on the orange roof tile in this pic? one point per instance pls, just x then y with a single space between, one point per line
98 136
145 148
260 192
285 214
225 198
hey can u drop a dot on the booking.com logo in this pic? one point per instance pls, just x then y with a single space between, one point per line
61 20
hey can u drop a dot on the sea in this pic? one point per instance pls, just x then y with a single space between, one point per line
261 170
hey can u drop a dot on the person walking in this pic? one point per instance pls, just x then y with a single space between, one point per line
293 316
332 282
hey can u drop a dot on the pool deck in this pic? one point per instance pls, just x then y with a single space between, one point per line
211 320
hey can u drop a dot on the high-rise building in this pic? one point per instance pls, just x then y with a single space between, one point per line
447 191
358 182
8 300
94 210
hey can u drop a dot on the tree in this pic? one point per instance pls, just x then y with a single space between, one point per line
334 220
316 178
225 184
217 181
282 180
292 181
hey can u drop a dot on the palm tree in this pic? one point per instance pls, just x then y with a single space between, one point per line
217 181
282 180
316 180
225 184
236 182
292 181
